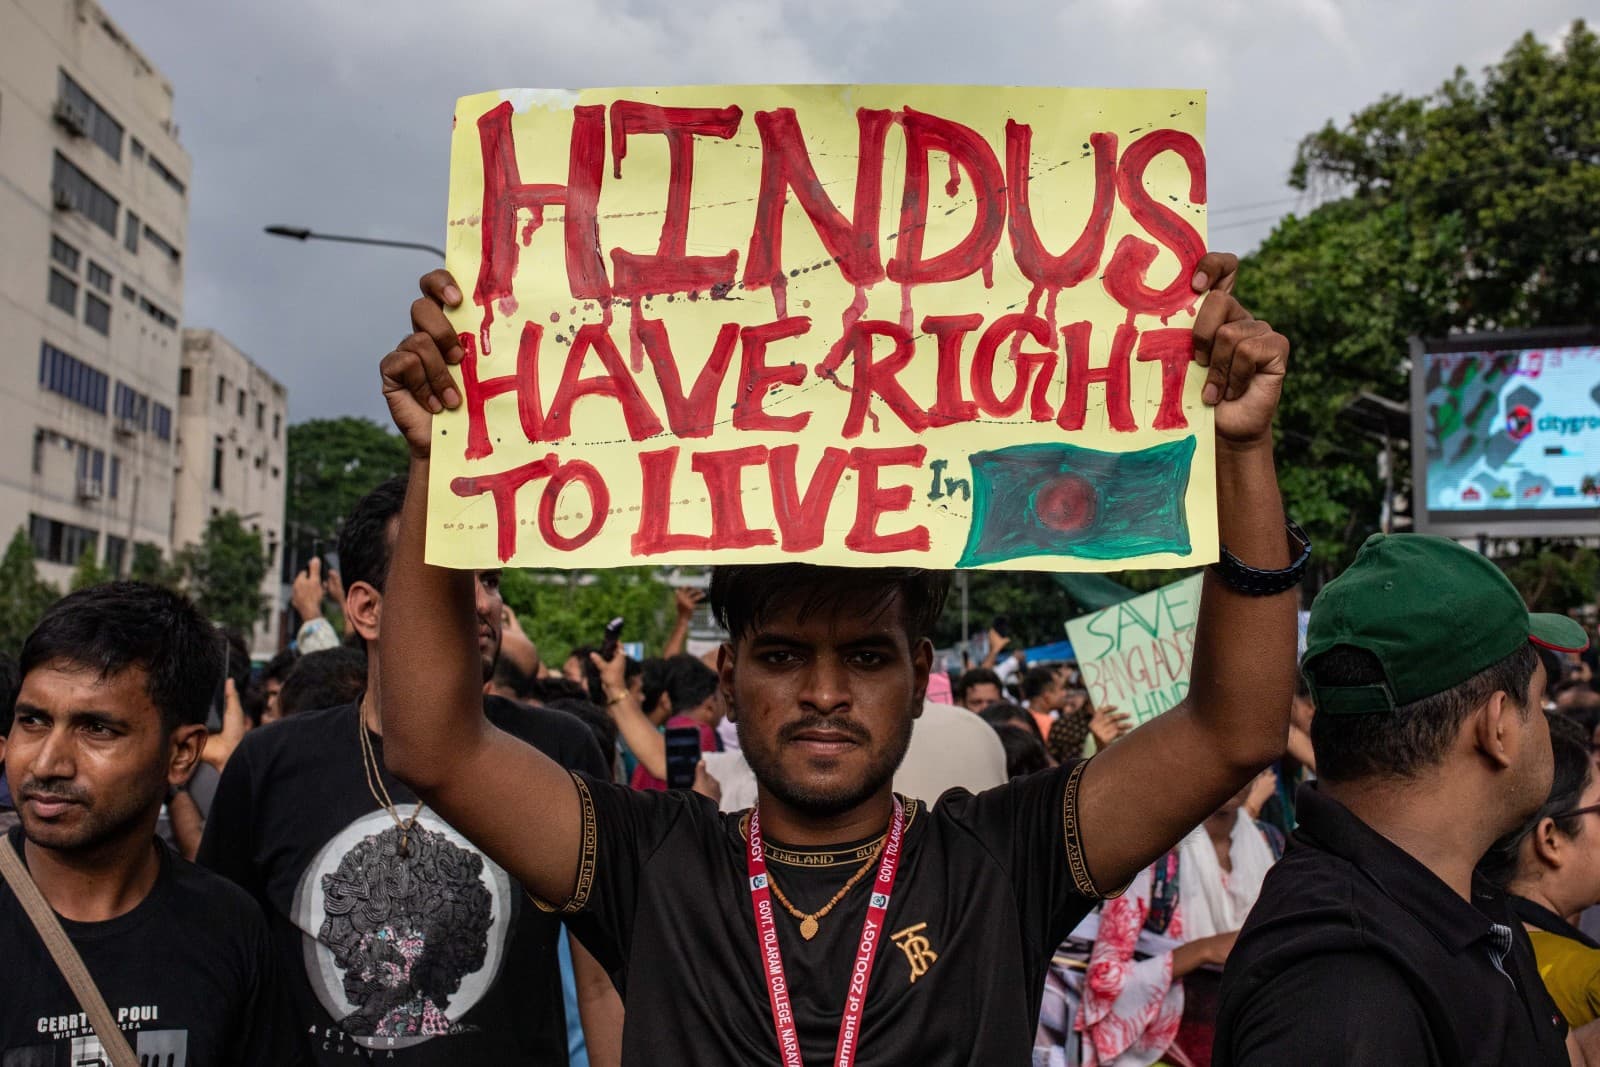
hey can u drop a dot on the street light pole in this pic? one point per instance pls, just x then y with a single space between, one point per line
300 233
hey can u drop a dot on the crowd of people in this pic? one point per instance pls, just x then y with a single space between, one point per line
414 837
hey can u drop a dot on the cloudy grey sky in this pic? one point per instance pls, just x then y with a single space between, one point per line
336 115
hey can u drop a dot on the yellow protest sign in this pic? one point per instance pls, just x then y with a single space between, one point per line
865 325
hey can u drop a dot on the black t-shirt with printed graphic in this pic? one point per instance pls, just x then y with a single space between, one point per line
435 959
188 973
988 886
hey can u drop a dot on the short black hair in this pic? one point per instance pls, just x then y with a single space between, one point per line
547 691
364 541
1572 772
10 682
1035 680
977 676
110 628
1005 713
689 682
744 595
654 675
279 666
327 679
1025 753
1409 740
238 662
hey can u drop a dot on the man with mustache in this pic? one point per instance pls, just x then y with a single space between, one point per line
117 681
837 922
397 938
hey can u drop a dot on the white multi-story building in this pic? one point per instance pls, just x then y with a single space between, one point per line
232 451
94 211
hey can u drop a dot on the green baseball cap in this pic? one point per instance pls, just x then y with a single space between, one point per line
1433 613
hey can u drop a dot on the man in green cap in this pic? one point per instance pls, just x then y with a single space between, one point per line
1371 943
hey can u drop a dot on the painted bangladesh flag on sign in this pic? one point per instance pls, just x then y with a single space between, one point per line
1066 500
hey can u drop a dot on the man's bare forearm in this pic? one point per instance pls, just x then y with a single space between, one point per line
511 800
1242 680
430 680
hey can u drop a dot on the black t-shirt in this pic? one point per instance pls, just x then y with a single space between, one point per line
988 886
438 959
188 973
1355 953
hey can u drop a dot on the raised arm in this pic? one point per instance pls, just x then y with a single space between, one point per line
685 601
1142 794
507 797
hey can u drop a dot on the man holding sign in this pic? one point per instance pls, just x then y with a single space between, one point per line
941 956
677 346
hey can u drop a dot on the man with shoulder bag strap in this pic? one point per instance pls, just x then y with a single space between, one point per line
118 951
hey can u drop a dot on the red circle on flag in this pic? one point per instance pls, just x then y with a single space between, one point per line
1066 503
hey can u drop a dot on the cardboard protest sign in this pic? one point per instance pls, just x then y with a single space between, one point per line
868 325
1136 655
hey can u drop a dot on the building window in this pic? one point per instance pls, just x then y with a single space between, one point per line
130 232
277 424
72 378
158 314
91 470
163 246
161 421
128 294
136 146
64 292
82 114
261 416
240 405
116 477
132 407
76 190
99 278
274 472
116 551
64 254
59 542
222 388
185 381
216 466
97 313
166 175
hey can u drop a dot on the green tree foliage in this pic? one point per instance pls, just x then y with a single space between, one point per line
89 572
1474 207
24 596
1551 580
563 609
332 464
224 573
149 565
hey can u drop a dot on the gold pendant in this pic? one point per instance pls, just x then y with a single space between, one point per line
808 927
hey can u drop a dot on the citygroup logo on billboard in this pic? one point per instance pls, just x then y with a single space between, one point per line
1563 424
1519 422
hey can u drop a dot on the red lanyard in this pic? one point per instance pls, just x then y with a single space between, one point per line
772 957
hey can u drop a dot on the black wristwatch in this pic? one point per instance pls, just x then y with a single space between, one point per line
1253 581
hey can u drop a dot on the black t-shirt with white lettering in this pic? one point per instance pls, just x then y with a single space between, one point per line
435 960
988 886
188 973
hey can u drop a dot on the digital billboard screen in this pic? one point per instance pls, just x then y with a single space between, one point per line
1507 432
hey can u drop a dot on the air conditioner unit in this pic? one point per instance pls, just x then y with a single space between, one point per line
126 427
61 198
71 118
90 489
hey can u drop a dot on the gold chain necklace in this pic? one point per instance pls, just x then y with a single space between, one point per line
369 764
808 923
